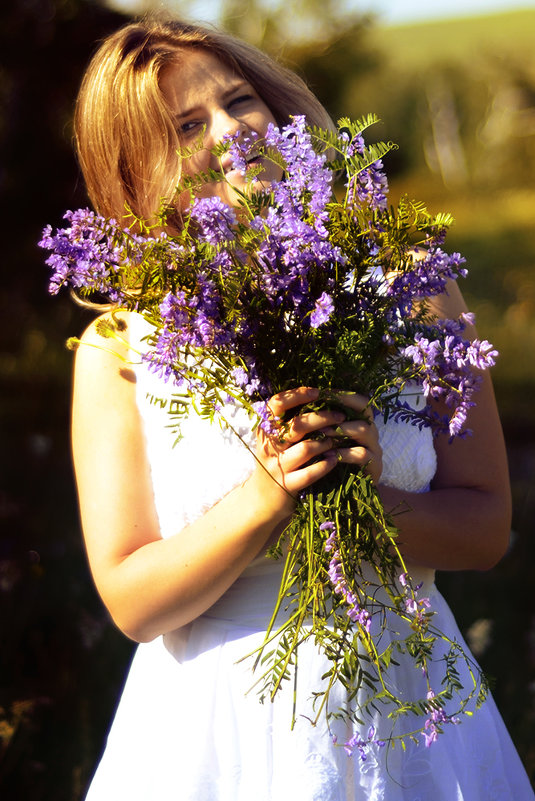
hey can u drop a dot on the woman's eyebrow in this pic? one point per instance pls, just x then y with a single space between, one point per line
239 85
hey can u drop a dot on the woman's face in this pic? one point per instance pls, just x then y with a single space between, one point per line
204 93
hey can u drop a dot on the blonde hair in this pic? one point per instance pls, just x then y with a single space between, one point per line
126 140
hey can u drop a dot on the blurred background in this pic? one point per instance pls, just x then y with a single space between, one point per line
455 88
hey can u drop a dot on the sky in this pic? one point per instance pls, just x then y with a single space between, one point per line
390 12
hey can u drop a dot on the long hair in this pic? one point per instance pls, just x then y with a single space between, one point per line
126 140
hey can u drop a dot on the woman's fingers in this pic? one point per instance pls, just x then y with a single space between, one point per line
371 461
297 456
303 477
290 398
359 403
308 446
305 424
366 452
301 425
365 431
285 472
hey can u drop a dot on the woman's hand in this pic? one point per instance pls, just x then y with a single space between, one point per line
294 458
291 459
366 452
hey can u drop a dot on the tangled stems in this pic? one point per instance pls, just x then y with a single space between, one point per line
344 587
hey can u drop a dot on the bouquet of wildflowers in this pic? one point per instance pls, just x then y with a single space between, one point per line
304 283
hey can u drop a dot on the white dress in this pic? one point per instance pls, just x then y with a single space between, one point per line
185 729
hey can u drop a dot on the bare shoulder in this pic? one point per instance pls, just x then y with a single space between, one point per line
104 380
104 347
450 303
110 331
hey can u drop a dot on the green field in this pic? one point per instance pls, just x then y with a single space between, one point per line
480 71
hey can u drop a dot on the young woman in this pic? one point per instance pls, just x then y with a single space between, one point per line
176 537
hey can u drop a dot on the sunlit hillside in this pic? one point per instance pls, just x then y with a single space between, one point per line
462 40
459 98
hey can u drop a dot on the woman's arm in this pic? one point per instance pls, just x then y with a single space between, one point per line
151 585
464 521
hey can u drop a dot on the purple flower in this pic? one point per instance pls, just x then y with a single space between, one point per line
328 525
322 310
369 186
242 147
411 606
416 607
83 254
268 422
357 742
354 146
215 220
240 376
446 366
330 542
336 574
188 320
430 271
305 171
435 722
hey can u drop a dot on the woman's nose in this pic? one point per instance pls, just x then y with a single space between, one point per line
226 124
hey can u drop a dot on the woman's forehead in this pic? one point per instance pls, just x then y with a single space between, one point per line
195 76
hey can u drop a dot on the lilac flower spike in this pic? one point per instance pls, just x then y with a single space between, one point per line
83 253
330 542
241 148
322 310
355 611
431 271
240 376
436 721
215 220
305 168
363 745
445 365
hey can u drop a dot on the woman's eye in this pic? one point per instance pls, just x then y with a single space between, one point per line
241 99
188 127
